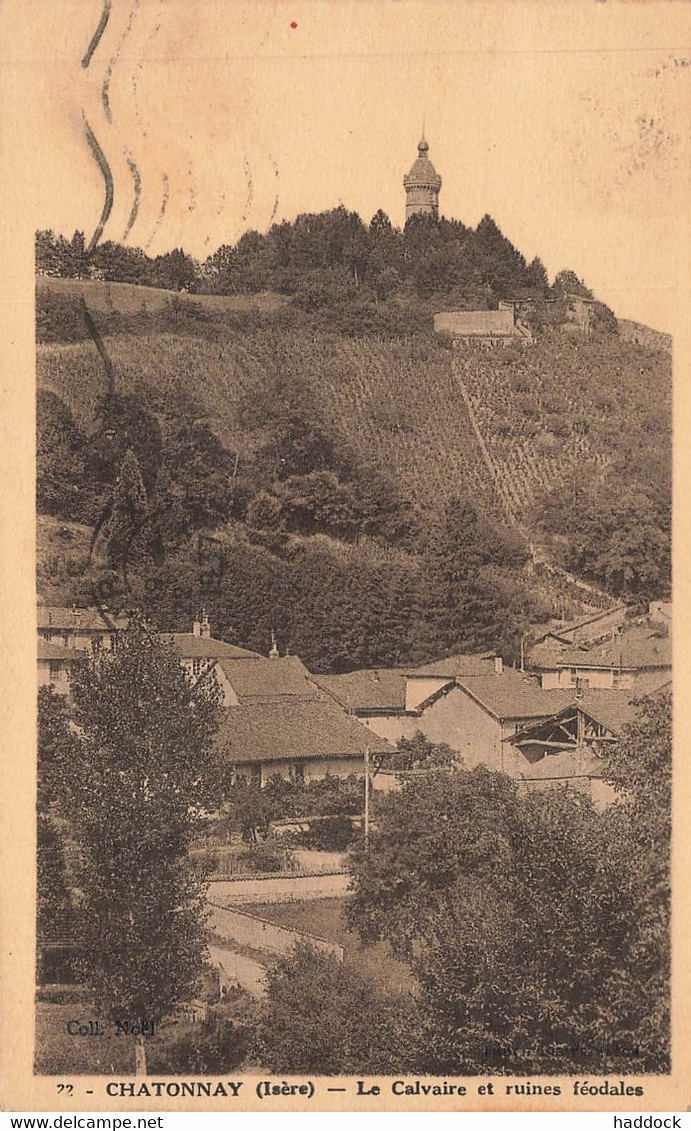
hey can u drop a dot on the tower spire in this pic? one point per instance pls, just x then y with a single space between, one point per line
422 183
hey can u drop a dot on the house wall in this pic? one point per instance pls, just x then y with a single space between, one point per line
60 682
391 727
79 638
597 678
249 930
459 721
230 698
314 768
417 689
600 792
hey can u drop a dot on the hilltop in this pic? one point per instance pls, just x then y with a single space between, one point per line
324 440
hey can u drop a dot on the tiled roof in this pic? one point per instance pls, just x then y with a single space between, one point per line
373 689
453 667
294 730
613 709
422 170
564 631
260 680
514 695
60 617
636 647
579 762
48 651
190 647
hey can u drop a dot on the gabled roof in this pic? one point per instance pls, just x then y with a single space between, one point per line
459 665
48 651
514 695
90 619
262 680
580 762
637 647
612 709
191 647
565 631
371 689
294 730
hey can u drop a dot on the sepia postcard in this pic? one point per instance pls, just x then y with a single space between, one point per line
344 348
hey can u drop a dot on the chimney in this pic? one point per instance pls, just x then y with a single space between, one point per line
498 665
197 628
274 653
205 628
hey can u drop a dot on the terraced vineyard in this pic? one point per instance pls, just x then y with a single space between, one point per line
396 403
503 426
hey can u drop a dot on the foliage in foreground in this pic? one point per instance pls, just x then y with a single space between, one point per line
323 1017
130 778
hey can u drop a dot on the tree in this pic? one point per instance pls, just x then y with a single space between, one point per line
418 753
639 766
135 781
516 912
56 744
126 531
62 486
324 1017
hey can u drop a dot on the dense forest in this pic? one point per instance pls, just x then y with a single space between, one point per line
326 258
288 445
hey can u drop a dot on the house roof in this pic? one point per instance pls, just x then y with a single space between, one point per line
422 170
294 730
261 680
48 651
564 631
581 761
613 709
514 695
637 647
371 689
453 667
190 647
90 619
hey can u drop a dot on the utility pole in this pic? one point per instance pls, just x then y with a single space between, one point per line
366 798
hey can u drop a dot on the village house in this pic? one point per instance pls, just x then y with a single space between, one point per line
471 703
486 327
392 701
586 629
278 722
638 658
568 747
82 629
296 740
55 664
198 650
65 634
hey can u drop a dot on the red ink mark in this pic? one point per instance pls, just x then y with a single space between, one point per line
294 24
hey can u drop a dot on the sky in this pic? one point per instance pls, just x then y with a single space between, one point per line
566 121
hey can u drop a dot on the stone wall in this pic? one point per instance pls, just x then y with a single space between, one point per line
234 926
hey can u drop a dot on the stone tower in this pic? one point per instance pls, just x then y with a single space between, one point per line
422 185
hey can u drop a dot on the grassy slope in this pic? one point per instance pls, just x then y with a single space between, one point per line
394 401
131 298
547 412
324 917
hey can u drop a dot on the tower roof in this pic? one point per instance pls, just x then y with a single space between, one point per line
423 171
